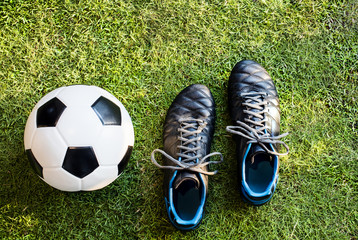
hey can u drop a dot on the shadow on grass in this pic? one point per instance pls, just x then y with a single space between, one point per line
30 207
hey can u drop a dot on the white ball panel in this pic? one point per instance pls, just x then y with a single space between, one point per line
100 178
127 127
79 126
79 95
30 130
61 179
111 145
48 147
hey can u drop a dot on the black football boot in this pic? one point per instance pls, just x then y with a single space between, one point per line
188 132
254 109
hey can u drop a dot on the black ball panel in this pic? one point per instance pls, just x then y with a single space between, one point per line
34 163
80 161
125 160
49 113
108 112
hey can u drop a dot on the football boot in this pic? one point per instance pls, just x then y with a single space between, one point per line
187 136
254 108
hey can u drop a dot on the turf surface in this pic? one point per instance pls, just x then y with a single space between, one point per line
145 52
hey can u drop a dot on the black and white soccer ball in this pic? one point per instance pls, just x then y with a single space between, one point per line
79 138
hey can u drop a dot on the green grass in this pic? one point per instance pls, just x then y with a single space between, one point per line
145 52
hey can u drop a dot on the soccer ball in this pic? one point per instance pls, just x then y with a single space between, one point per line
79 138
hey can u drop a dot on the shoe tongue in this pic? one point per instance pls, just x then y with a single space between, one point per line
186 177
256 149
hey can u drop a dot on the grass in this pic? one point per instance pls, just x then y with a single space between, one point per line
145 52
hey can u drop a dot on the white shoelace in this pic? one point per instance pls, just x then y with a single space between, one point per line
252 133
189 148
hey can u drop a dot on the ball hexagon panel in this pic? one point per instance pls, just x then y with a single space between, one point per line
80 161
30 130
108 112
48 147
49 113
79 95
61 179
99 178
79 126
127 125
109 146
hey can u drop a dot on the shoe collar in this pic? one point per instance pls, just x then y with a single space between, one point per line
269 190
172 213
